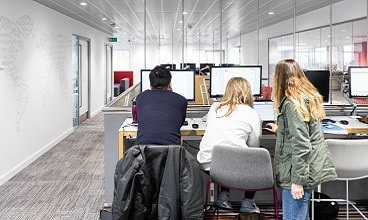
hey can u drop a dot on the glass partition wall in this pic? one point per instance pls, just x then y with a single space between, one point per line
264 39
184 40
349 47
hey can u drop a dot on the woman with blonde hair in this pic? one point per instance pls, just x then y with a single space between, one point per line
231 122
302 158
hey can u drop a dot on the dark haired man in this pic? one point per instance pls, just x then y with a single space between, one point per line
160 111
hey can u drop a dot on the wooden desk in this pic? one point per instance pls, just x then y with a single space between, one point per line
128 129
354 126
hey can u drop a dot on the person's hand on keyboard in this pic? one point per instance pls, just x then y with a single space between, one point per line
272 127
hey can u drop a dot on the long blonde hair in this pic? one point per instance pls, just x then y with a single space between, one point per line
237 91
290 82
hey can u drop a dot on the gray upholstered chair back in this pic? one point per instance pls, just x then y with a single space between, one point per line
245 168
349 157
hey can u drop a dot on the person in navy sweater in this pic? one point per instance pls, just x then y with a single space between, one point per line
160 111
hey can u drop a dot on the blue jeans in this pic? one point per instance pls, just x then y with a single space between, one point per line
295 209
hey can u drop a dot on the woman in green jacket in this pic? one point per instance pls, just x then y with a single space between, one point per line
302 158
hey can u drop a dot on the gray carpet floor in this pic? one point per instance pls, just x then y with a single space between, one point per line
65 183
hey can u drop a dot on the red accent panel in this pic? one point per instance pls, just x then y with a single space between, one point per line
360 53
266 92
118 75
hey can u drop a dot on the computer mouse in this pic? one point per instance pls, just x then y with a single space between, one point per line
194 125
344 122
327 120
185 123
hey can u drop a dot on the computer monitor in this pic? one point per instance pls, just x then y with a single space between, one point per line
265 110
182 82
205 67
358 81
321 80
169 66
219 76
188 66
201 65
227 64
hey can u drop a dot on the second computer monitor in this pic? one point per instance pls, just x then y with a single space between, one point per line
219 76
188 66
204 68
321 80
358 81
169 66
182 82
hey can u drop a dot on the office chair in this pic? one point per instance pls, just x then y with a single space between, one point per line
349 157
246 169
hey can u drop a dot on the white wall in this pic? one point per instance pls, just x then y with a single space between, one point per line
36 80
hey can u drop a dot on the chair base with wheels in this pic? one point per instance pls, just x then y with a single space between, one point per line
215 210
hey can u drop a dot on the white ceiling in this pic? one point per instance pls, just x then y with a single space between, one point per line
125 18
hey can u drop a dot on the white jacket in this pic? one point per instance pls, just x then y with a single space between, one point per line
241 128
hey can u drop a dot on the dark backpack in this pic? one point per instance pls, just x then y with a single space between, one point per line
324 210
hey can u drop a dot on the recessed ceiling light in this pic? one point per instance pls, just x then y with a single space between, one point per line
104 19
178 29
271 13
180 22
83 3
184 12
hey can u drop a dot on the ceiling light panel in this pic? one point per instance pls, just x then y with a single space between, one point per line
163 16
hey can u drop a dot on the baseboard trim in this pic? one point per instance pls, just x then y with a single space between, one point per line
7 176
96 112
